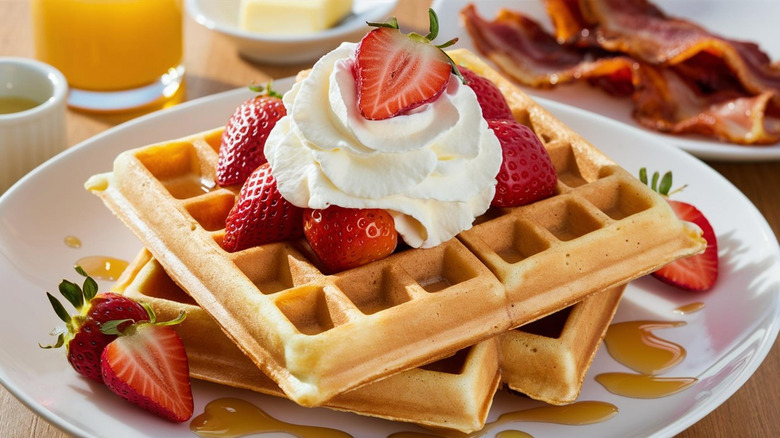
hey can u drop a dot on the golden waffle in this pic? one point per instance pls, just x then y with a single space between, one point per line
454 393
546 360
320 335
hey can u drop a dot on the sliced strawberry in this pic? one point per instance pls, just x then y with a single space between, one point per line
243 140
345 238
698 272
527 173
490 98
261 215
396 72
147 366
82 337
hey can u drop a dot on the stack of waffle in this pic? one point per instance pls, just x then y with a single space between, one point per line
389 338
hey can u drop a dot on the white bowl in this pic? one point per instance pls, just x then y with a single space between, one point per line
222 16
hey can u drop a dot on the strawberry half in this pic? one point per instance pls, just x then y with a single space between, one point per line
344 238
243 140
694 273
147 366
396 72
261 214
527 173
490 98
698 272
82 337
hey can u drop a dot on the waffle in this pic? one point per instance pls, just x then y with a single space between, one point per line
546 360
319 335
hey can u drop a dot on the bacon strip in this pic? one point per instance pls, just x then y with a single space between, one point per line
523 50
642 31
683 80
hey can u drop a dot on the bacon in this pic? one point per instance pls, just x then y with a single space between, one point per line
682 78
523 50
642 31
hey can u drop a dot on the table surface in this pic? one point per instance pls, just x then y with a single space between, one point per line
214 66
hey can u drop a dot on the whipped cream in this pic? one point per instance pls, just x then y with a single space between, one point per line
433 169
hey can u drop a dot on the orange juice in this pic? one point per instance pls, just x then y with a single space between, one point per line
106 45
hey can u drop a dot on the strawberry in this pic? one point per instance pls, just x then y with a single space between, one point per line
83 340
694 273
344 238
261 215
396 72
490 98
527 173
243 140
147 366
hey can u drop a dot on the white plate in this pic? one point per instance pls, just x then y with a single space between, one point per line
726 341
750 20
222 16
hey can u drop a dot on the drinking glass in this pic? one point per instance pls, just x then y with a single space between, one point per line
116 54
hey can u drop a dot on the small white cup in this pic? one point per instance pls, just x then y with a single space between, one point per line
30 137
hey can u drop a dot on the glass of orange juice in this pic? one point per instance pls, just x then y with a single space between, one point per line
116 54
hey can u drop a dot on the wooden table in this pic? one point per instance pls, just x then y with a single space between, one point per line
214 66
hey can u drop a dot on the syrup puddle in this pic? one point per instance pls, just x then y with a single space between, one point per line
102 267
234 418
643 386
634 345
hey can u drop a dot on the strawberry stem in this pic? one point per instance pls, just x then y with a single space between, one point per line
113 327
392 23
264 90
660 184
433 25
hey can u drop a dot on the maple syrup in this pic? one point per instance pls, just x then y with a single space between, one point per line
513 434
102 267
233 418
642 385
690 308
72 242
634 345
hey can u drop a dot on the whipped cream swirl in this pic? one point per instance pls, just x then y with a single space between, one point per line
433 169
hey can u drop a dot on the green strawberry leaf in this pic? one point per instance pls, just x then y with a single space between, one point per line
72 292
59 309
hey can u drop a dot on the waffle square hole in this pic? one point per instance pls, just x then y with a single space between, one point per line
442 270
310 309
568 220
550 326
524 242
214 139
268 267
212 212
629 200
177 168
383 289
566 166
454 364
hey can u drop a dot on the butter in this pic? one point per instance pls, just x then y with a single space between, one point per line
291 17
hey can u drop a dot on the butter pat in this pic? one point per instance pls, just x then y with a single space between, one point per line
291 17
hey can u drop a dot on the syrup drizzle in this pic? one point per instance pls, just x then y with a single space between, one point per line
102 267
233 418
634 345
